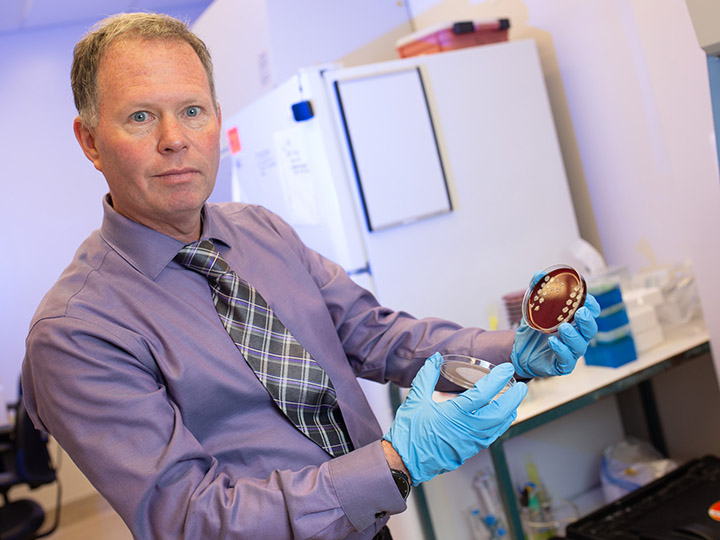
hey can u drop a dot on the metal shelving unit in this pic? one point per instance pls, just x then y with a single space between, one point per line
588 384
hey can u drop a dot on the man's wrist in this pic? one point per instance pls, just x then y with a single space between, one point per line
393 459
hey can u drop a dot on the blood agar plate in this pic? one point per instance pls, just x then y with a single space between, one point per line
465 371
554 298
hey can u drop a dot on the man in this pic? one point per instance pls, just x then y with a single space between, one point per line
166 398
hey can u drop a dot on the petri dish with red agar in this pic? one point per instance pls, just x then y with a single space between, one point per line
554 298
465 371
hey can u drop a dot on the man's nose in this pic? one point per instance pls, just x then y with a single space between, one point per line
172 136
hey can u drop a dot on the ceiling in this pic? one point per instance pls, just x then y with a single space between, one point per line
20 15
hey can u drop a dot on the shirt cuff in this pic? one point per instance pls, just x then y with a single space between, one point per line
365 486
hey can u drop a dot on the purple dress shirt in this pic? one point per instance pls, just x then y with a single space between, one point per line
130 369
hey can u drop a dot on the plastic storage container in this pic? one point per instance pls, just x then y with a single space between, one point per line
613 345
448 36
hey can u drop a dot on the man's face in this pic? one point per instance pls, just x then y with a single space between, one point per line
157 136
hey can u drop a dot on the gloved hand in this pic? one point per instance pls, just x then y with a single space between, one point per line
433 438
535 354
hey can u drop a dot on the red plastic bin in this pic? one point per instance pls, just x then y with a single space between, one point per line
448 36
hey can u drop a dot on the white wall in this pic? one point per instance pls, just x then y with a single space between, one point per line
50 192
258 44
238 36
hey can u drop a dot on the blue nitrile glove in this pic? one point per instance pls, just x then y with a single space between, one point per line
535 354
434 438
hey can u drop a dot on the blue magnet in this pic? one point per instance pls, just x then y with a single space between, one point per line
302 110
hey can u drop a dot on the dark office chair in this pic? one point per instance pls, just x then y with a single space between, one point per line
24 459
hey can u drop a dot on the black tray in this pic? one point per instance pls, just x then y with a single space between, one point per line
674 507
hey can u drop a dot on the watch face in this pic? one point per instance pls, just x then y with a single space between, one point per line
402 482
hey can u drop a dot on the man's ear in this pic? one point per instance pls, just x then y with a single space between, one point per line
86 138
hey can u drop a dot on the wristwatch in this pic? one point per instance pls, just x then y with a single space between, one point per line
402 482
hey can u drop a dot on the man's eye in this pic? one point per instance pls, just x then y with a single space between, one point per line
192 111
140 116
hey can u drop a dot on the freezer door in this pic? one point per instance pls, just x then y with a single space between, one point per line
512 214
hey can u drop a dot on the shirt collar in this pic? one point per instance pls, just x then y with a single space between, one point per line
146 249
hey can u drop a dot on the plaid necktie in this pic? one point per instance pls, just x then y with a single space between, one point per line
299 386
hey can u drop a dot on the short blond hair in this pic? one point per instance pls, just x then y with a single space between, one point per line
89 50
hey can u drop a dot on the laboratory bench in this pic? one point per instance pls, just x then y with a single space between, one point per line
556 397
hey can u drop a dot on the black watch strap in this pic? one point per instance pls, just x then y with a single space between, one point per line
402 482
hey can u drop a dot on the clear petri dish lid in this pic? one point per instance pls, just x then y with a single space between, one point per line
465 371
554 298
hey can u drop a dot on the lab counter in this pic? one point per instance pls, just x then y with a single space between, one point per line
555 397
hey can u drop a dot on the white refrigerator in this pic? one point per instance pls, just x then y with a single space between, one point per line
435 181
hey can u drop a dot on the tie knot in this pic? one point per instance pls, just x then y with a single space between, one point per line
204 258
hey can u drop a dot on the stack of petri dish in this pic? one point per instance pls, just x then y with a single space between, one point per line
514 307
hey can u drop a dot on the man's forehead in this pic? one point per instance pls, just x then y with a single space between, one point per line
138 44
143 56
